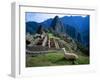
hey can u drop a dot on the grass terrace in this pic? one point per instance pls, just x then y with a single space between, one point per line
52 36
54 59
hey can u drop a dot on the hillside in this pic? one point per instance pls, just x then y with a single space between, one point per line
77 27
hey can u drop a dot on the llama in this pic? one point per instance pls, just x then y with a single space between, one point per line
70 56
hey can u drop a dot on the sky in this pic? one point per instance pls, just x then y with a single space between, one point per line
40 17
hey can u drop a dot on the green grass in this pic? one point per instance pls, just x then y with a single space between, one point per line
52 36
53 59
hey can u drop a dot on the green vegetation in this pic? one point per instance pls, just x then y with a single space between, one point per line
82 48
54 59
52 36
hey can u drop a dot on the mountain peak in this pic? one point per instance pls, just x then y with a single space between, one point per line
56 18
55 21
57 25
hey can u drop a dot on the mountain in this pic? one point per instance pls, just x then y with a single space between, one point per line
46 23
40 29
85 31
70 30
32 27
75 26
57 25
79 25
